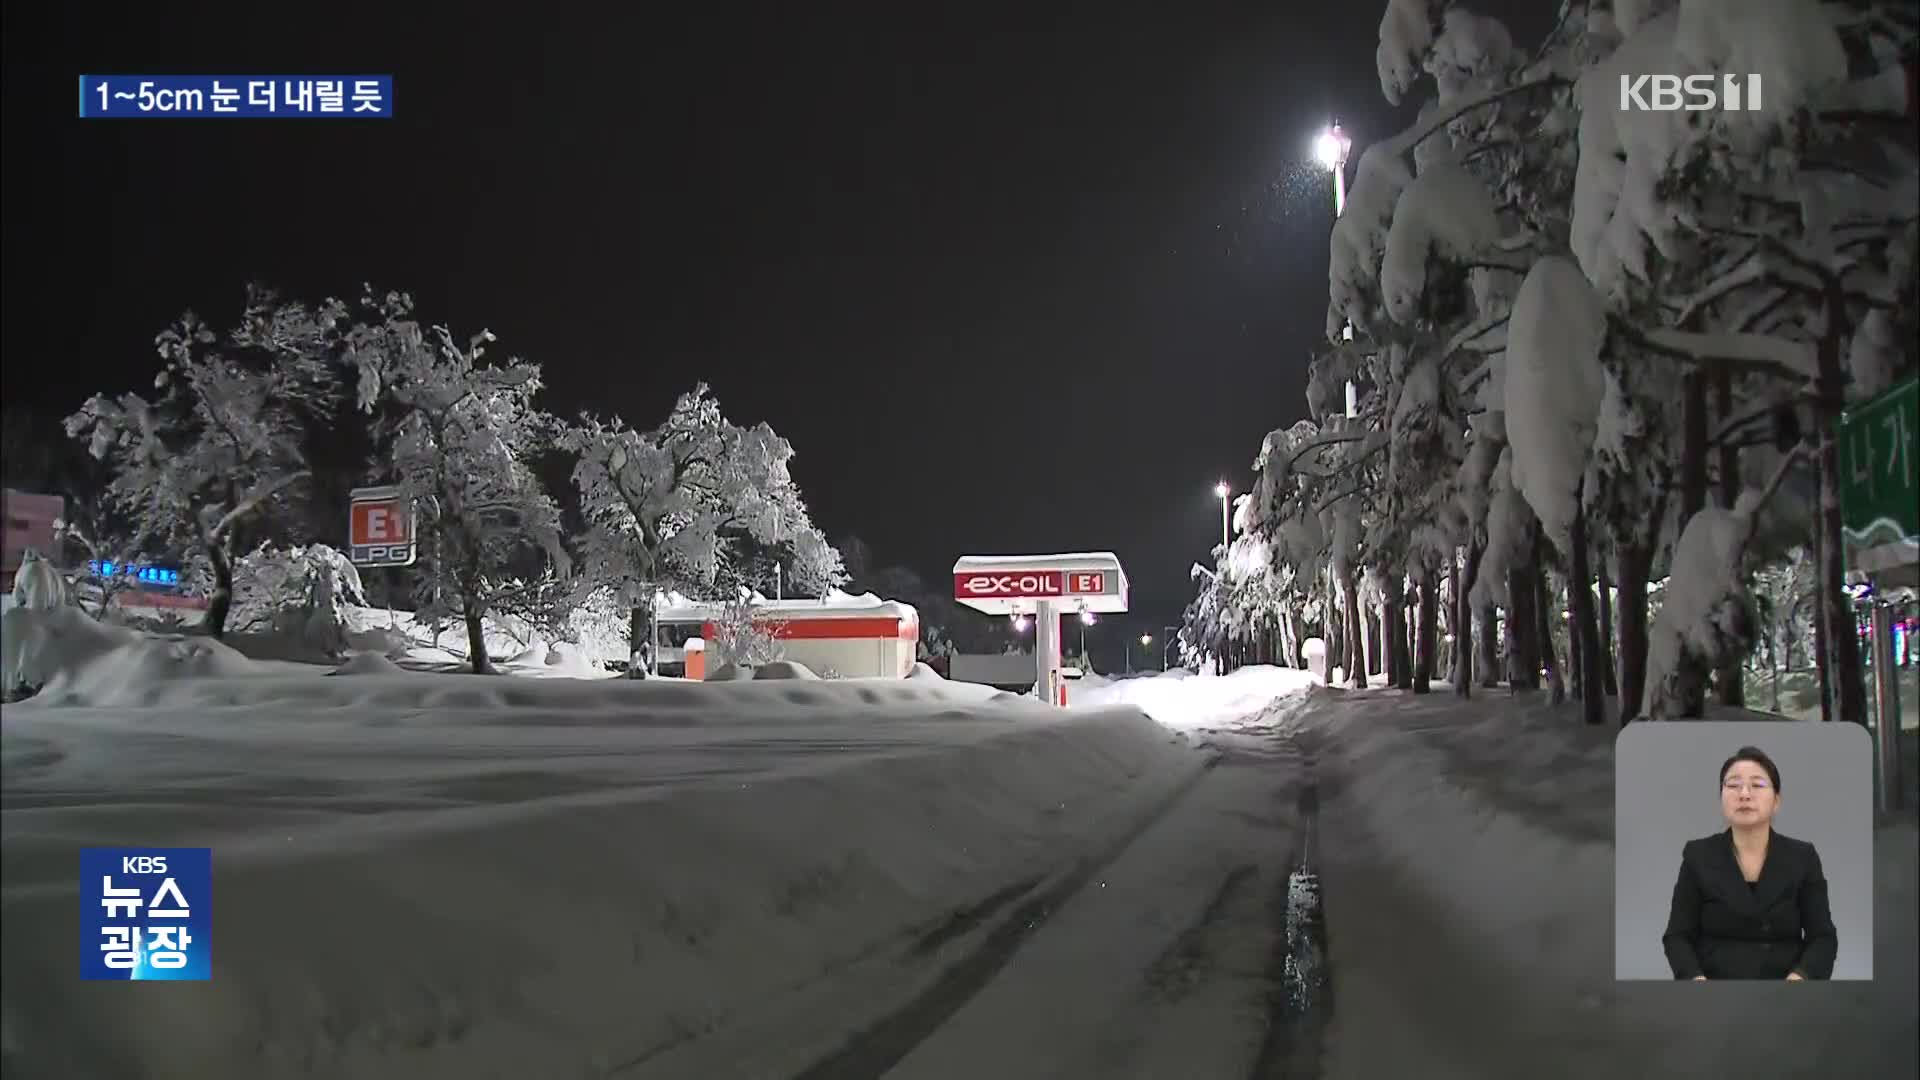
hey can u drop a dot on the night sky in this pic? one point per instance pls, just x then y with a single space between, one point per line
1008 284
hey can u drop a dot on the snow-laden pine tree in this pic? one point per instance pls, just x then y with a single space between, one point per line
689 505
1663 255
456 431
220 441
1763 251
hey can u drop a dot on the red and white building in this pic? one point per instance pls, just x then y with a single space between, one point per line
854 637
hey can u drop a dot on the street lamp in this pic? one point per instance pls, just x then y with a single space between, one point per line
1330 149
1146 649
1019 624
1086 620
1222 491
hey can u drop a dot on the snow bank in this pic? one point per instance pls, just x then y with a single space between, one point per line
785 669
456 876
368 664
1188 704
1492 819
1554 388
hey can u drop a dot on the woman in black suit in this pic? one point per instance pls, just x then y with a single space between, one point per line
1750 903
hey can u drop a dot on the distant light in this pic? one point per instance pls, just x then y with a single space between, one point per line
1221 491
1146 639
1087 617
1331 147
1020 623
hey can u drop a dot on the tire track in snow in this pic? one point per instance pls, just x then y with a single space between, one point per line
884 1043
1299 970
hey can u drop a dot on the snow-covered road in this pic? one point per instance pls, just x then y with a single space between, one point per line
435 876
1165 961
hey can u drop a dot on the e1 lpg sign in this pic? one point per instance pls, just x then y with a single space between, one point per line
379 528
1088 583
1009 585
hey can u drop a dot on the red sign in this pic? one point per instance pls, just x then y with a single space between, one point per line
380 522
1086 581
1008 584
379 528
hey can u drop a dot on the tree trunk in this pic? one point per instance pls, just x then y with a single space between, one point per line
1636 552
1399 663
1609 682
1451 603
1729 680
637 636
1523 641
1463 621
1843 641
1489 646
476 639
1542 607
220 603
1586 637
1693 498
1822 662
1356 633
1376 660
1428 631
1636 565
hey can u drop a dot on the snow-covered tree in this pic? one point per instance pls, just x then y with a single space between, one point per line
458 430
302 592
1609 268
690 505
746 634
220 441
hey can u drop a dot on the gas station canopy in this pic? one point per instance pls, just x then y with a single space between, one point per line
1019 584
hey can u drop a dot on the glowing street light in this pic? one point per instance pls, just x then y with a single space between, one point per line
1020 624
1221 491
1330 149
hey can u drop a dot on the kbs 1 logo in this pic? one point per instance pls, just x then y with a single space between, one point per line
1689 93
146 913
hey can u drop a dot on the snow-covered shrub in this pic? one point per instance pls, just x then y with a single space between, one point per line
598 626
299 592
743 635
37 586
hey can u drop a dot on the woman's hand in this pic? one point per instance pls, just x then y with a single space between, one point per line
1794 976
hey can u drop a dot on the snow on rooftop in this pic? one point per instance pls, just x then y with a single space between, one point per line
1084 560
836 604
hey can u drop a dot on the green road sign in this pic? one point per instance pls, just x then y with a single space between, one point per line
1879 502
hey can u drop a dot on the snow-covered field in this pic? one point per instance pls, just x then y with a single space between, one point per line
437 875
442 875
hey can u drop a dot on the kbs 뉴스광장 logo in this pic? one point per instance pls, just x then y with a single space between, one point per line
146 913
